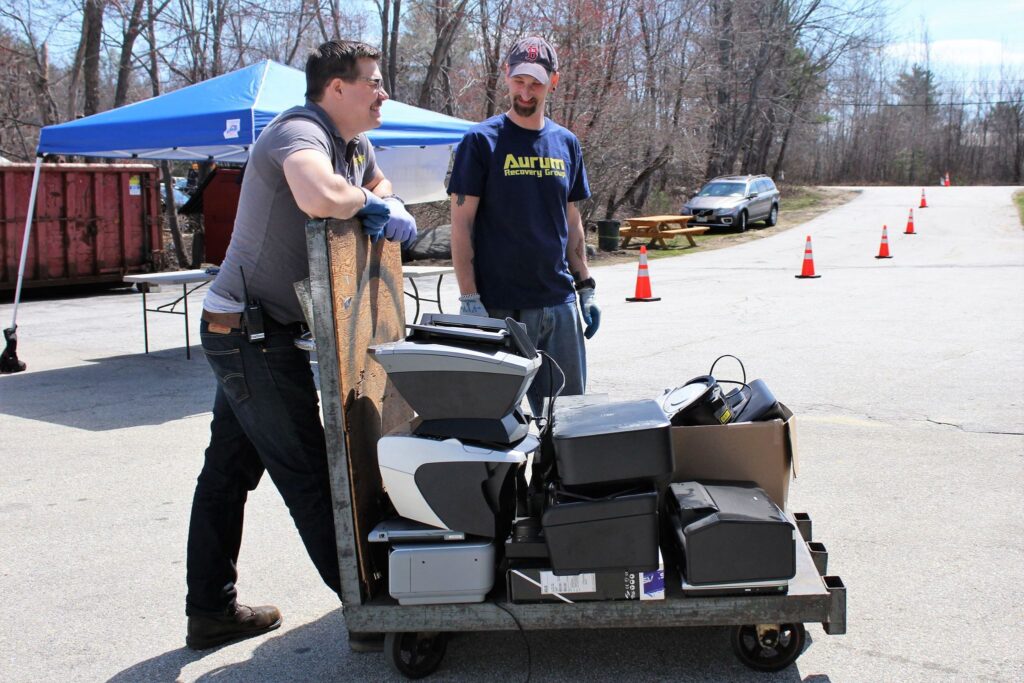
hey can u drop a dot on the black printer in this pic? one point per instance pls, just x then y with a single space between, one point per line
731 538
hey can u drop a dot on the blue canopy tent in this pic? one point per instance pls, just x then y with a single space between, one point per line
220 119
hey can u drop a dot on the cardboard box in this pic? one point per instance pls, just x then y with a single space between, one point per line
762 452
536 584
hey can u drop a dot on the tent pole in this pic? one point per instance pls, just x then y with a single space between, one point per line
24 242
9 362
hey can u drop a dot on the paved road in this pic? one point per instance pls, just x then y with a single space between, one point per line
905 375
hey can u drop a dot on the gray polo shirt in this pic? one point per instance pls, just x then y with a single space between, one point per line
269 237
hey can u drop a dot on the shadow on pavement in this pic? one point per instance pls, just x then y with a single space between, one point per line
112 393
318 651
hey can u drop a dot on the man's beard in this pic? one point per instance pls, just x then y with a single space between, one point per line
523 109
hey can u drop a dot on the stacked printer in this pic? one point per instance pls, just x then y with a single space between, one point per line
730 538
451 472
727 537
599 474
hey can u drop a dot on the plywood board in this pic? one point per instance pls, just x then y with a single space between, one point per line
367 292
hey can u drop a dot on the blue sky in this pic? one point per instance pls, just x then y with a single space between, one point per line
965 36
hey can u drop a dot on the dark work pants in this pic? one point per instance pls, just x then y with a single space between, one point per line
265 416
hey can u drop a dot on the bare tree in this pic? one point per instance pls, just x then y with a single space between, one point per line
448 16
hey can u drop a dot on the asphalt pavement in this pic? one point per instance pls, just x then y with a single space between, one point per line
905 376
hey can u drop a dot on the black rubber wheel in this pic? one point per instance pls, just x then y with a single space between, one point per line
742 223
415 655
773 216
774 652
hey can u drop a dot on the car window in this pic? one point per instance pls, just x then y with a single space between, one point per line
769 185
722 190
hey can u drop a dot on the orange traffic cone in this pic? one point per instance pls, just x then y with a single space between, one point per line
910 225
924 202
643 281
883 250
947 178
808 269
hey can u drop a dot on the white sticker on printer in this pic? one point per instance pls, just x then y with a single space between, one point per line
577 583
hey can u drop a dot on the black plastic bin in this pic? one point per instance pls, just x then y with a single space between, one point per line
608 234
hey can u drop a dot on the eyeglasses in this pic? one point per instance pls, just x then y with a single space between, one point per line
377 83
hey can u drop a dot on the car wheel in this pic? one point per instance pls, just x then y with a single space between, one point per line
742 222
773 216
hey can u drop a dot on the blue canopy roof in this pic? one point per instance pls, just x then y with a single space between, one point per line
220 118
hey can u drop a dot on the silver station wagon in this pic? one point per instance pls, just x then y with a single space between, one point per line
735 201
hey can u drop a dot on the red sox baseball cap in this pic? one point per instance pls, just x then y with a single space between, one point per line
533 56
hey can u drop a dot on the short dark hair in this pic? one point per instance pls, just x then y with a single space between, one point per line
335 59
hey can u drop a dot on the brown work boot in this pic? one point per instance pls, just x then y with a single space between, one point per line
206 631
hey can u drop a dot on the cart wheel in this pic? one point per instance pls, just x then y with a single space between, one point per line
415 655
769 648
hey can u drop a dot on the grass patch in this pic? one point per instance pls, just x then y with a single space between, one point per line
799 198
1018 199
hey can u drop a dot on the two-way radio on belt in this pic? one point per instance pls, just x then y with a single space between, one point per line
252 315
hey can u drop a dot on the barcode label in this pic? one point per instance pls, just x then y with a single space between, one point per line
577 583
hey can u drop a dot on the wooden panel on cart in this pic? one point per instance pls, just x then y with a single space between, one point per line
358 302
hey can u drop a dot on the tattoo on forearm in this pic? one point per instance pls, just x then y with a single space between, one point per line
460 199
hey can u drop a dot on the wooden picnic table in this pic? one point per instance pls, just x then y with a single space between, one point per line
659 228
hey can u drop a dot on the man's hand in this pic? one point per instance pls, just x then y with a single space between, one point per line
471 305
402 226
374 215
590 311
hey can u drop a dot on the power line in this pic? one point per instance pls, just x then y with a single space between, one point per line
934 105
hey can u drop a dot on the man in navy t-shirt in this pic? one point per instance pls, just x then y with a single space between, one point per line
517 237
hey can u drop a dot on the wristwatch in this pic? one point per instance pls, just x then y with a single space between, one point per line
584 284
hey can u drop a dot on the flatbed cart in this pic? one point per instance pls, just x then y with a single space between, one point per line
357 301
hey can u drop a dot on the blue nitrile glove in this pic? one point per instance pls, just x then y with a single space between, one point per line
471 305
402 226
589 310
374 215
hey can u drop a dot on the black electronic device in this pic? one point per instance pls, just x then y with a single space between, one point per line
617 531
700 401
731 536
526 541
510 429
625 441
252 315
754 402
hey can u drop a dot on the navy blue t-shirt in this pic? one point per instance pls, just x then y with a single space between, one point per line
524 179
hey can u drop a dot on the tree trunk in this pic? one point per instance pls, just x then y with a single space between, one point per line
447 21
170 212
93 35
639 181
492 40
392 55
124 62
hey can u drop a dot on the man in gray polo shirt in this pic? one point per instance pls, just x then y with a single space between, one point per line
311 161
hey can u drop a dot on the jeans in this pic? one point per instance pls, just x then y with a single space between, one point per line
265 417
556 330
